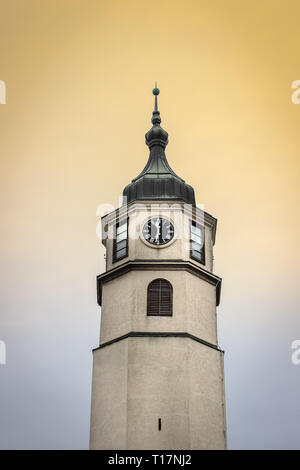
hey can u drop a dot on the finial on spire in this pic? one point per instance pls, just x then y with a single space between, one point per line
156 136
156 114
155 92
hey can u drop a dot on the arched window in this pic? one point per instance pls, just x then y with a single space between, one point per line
159 298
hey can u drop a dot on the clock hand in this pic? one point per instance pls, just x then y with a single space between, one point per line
157 225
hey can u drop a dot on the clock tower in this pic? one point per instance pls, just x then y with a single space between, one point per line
158 378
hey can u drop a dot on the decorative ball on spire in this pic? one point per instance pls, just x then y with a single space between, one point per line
155 91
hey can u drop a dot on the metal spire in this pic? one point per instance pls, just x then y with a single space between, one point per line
155 93
156 114
158 181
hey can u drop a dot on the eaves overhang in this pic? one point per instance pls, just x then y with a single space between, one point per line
158 265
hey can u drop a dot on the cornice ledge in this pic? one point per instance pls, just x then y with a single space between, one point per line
159 334
158 265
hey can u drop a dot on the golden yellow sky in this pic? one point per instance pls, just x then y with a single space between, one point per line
79 75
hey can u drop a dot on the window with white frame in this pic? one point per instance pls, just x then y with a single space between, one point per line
120 249
197 242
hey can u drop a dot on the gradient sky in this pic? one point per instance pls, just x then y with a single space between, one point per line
79 75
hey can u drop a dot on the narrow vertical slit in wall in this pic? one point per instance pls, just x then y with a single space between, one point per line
159 424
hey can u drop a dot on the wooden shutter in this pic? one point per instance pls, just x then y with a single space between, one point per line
159 298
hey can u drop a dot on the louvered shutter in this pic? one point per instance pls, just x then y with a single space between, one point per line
159 301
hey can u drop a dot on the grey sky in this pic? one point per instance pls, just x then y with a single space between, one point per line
51 323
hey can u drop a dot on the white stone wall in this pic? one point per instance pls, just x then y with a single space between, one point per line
178 249
108 428
140 380
124 305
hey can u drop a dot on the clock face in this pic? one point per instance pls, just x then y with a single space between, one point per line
158 231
